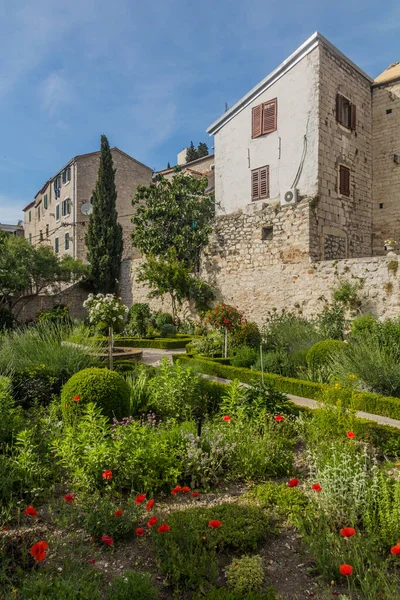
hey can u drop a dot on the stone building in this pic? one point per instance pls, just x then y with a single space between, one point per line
201 167
17 230
57 215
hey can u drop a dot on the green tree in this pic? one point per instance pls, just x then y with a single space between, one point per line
202 150
168 275
25 268
191 153
176 214
104 235
168 166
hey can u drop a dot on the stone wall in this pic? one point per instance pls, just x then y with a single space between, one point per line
343 226
386 171
73 297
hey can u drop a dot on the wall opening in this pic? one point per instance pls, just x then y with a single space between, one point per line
267 233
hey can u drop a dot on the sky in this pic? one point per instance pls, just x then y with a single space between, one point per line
152 76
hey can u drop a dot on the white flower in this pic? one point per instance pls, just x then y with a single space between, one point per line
121 317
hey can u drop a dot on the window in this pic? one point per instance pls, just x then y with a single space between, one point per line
260 183
40 236
267 233
30 216
346 113
65 207
57 212
45 202
67 241
344 180
56 245
47 231
30 238
38 213
264 118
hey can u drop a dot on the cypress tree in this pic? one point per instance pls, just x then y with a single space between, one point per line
104 234
191 153
168 166
202 150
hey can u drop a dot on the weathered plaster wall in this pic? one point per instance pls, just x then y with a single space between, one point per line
386 172
73 297
236 153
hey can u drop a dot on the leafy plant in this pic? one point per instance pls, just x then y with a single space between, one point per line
164 318
210 345
248 334
139 316
132 585
97 516
168 331
246 574
332 322
244 356
139 391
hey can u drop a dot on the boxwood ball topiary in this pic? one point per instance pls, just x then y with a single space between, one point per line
104 387
321 353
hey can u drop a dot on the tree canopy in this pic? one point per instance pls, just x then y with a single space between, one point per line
193 153
31 269
104 234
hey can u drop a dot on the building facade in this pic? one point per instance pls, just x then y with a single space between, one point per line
201 167
17 230
56 218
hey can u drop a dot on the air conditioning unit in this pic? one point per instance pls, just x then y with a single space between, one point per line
289 197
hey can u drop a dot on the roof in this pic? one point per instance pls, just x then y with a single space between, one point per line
309 45
29 205
186 165
78 156
11 228
389 74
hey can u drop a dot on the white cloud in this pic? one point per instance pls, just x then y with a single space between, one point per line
55 92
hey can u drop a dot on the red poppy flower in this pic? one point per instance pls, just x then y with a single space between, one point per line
293 482
176 489
140 531
38 550
107 540
173 492
278 418
351 435
140 498
163 528
195 494
214 524
91 561
346 570
69 498
152 521
149 505
186 489
118 513
30 511
347 532
226 418
5 528
77 398
107 474
395 549
316 487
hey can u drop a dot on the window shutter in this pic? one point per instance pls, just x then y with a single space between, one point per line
344 176
353 117
56 246
269 116
57 212
256 121
339 108
264 182
255 184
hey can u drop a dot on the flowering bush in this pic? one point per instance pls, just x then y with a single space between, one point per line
246 574
105 309
223 316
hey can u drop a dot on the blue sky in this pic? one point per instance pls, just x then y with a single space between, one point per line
150 75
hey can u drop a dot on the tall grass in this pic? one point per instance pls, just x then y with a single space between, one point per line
44 346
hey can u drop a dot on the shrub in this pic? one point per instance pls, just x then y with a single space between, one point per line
332 322
34 385
244 357
11 416
174 392
320 353
246 574
248 334
280 362
132 585
289 503
224 594
164 318
107 389
58 314
364 324
210 345
168 330
381 515
289 332
7 320
96 515
139 316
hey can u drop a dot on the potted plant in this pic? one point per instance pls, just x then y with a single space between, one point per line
390 244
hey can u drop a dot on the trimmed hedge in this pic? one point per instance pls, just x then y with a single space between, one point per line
129 342
364 401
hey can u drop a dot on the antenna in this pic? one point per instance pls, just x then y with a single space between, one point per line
226 106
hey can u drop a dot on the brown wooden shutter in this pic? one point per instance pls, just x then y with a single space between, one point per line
344 181
269 116
255 184
256 121
339 108
353 118
264 182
